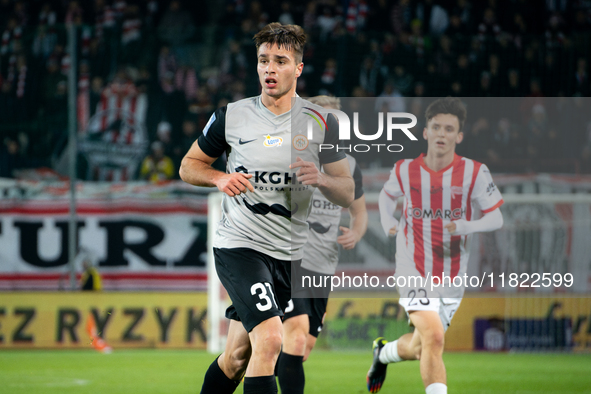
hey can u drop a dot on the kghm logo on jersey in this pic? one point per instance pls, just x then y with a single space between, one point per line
270 141
300 142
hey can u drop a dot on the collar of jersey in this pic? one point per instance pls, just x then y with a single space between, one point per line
286 116
430 171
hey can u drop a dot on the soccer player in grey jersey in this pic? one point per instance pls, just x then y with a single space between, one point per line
304 317
265 207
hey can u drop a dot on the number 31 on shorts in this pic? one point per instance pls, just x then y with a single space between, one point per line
260 289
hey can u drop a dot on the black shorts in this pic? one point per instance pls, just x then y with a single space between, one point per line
258 285
315 308
309 301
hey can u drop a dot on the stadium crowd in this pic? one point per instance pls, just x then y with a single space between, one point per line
190 57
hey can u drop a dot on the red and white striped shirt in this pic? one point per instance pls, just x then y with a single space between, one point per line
432 200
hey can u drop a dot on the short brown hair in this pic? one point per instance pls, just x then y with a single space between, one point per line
448 105
326 101
291 37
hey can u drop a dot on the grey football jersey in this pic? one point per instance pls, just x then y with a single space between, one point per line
272 219
321 253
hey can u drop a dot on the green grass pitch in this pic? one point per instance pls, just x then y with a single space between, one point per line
171 371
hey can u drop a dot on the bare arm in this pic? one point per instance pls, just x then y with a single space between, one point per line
196 169
335 183
357 224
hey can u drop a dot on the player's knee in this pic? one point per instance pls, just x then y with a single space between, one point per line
269 343
434 339
299 338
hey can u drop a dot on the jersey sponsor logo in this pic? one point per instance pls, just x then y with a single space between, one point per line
323 204
419 213
491 188
276 209
271 142
456 191
300 142
274 177
319 228
245 142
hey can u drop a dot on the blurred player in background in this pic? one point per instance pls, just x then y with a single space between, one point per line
304 317
433 238
263 227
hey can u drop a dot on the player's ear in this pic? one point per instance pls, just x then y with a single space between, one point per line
425 133
460 137
299 69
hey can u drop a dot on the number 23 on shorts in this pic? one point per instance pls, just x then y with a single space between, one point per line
422 297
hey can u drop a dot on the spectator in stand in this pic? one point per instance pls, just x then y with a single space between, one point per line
370 77
494 71
164 136
511 87
581 79
401 16
157 167
439 19
91 279
538 132
11 158
586 152
7 102
477 139
131 36
328 79
234 63
506 142
463 73
176 28
485 85
188 137
326 23
403 81
390 100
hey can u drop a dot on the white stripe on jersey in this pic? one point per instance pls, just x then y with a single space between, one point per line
446 205
407 203
426 204
211 120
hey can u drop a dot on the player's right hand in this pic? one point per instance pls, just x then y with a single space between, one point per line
392 231
235 183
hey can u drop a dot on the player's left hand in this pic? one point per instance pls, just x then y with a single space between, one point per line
348 239
451 227
308 173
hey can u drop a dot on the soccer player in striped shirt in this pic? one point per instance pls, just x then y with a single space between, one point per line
433 240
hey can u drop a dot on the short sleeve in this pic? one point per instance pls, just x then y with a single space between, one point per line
331 137
485 193
213 140
358 179
392 186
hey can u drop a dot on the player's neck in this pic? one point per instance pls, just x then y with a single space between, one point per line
278 105
438 163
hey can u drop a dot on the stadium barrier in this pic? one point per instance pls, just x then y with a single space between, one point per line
179 320
124 320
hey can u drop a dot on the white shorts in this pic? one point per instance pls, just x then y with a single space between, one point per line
445 307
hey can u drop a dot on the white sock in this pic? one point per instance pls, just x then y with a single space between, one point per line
389 353
436 388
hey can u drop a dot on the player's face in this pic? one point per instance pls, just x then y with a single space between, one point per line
277 70
443 134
